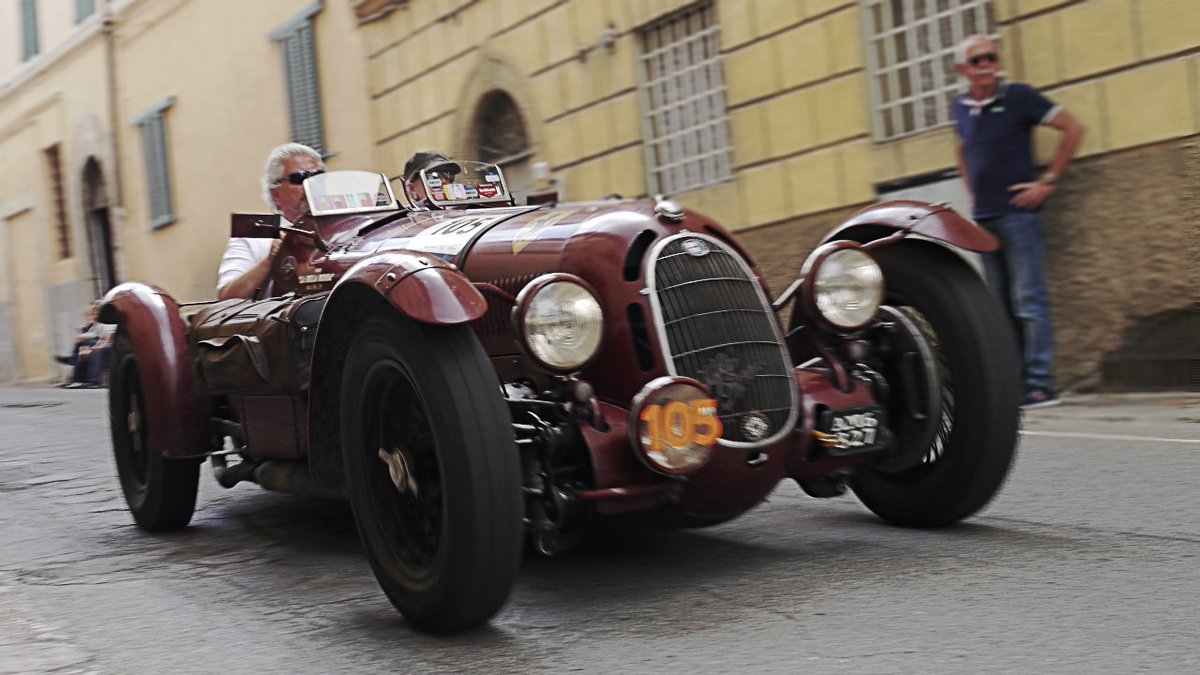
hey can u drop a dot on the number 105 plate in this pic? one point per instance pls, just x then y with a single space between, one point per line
857 430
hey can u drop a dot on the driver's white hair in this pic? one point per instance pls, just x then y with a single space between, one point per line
960 51
274 169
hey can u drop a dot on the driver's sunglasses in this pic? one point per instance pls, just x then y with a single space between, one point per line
990 57
298 177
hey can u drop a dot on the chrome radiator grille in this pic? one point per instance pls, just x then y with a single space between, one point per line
717 327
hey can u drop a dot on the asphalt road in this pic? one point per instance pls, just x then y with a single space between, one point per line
1087 562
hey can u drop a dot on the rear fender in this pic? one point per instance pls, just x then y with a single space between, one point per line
907 217
177 419
423 287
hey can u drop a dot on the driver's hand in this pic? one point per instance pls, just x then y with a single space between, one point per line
275 246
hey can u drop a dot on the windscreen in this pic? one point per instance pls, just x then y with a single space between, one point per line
461 183
349 192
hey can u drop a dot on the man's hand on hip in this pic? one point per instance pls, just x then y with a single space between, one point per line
1030 195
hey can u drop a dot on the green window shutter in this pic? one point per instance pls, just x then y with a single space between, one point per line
152 124
29 29
84 9
296 44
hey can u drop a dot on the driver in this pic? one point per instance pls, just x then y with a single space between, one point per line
247 260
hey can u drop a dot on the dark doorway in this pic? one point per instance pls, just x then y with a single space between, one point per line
500 138
99 228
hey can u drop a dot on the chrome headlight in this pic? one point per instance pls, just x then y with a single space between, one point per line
844 285
559 322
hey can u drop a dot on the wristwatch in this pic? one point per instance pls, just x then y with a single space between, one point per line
1049 178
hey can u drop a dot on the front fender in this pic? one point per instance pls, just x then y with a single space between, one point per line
422 287
176 415
932 221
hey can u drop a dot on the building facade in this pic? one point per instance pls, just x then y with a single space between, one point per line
130 129
780 117
775 117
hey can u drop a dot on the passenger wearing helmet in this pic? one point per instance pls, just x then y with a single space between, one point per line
421 161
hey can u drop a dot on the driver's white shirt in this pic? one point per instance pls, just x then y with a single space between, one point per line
241 255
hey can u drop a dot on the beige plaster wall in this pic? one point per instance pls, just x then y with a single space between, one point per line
214 57
56 23
55 106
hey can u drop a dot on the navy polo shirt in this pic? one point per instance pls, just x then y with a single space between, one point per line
997 140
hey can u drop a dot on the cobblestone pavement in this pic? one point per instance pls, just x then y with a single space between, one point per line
1086 562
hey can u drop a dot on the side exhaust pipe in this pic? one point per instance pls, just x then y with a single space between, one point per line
290 477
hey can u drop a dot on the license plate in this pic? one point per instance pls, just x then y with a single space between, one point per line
855 430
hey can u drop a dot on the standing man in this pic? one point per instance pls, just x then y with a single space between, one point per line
247 261
994 123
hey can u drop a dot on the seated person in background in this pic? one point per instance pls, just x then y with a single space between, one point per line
89 358
247 261
420 161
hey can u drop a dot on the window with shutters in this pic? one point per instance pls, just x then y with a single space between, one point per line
152 124
683 100
295 40
84 9
910 58
29 29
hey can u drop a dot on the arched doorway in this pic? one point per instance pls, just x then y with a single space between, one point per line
99 228
499 136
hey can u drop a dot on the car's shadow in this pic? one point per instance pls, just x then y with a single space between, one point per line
615 570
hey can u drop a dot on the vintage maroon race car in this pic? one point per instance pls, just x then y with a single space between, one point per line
473 372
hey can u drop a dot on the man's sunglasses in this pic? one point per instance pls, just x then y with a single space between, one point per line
298 177
990 57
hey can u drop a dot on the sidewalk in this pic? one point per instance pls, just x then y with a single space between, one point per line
1170 415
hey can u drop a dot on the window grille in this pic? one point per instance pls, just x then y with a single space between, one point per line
683 102
910 57
84 9
54 164
29 30
158 172
295 39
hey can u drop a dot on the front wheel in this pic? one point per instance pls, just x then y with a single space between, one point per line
963 463
433 472
160 492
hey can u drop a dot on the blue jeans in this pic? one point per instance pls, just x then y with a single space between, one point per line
1014 274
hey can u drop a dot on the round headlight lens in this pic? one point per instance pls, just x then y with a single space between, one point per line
848 288
561 324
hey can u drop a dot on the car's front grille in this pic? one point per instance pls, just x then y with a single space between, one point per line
717 326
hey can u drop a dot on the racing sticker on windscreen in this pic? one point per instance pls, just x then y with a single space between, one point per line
449 237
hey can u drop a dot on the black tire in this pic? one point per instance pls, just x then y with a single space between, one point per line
444 538
160 492
976 441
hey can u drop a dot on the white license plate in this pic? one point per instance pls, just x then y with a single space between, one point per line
855 430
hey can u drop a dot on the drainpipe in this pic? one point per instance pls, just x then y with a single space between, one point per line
116 211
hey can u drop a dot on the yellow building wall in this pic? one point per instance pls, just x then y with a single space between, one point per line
793 73
797 94
1120 66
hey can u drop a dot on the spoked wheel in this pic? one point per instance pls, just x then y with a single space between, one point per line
965 454
161 493
433 471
